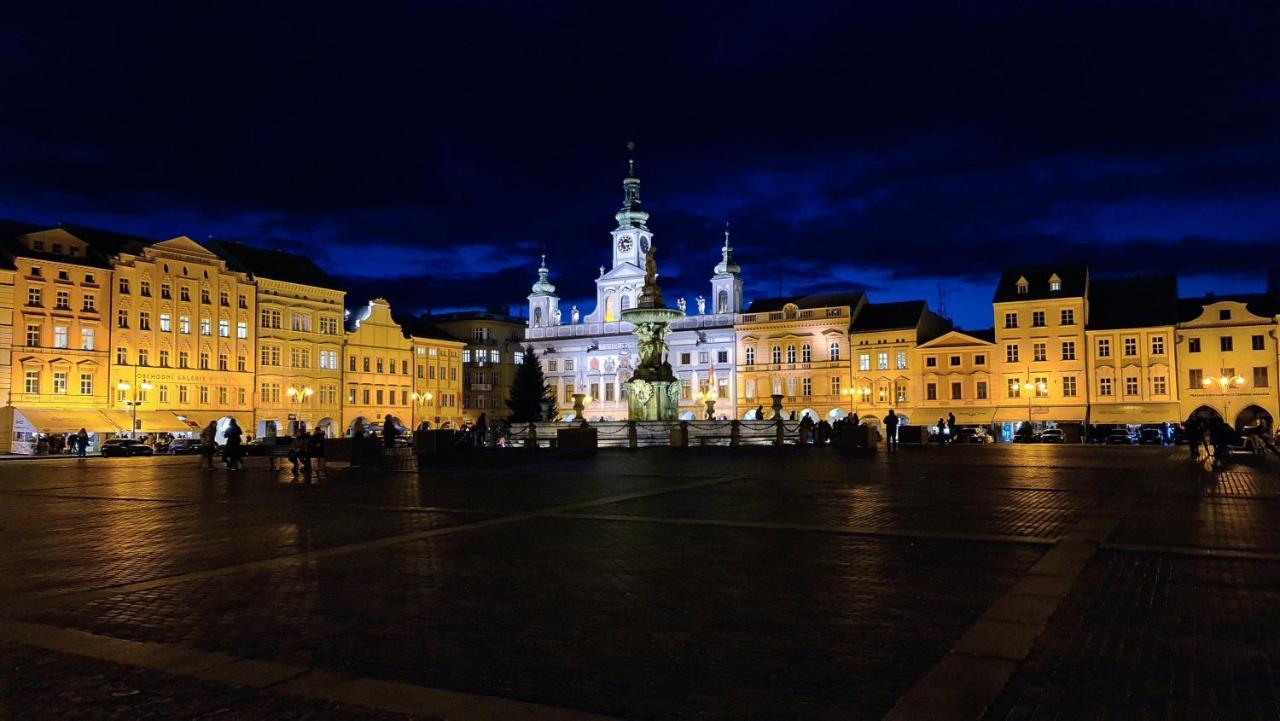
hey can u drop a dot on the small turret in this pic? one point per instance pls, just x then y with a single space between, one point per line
726 284
544 304
543 286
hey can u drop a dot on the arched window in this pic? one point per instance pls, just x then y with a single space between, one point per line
751 355
609 314
835 350
806 353
791 354
626 301
777 354
537 317
722 302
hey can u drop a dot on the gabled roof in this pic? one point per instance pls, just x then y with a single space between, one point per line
1074 277
107 242
1259 304
816 300
274 264
1140 302
953 338
889 316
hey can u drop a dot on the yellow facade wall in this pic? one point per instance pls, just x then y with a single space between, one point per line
300 341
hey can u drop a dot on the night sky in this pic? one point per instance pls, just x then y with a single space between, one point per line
427 152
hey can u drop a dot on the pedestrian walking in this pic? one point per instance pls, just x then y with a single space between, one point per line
232 451
951 428
482 430
1220 436
208 444
891 430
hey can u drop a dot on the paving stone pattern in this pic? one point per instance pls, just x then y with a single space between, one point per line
711 583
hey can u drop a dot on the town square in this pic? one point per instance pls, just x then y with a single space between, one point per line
578 360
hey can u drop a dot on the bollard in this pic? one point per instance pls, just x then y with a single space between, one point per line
779 433
735 434
680 435
531 439
633 437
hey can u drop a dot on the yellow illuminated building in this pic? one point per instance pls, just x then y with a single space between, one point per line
798 348
1133 371
1226 356
1040 316
377 374
57 370
437 382
882 342
182 339
299 341
957 371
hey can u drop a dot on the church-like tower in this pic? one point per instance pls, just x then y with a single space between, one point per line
619 288
726 284
544 304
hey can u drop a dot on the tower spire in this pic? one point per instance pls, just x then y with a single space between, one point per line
632 215
726 266
543 286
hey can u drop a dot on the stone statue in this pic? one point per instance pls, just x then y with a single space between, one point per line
555 316
574 314
650 268
702 306
680 304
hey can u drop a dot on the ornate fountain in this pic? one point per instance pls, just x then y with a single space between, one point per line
653 391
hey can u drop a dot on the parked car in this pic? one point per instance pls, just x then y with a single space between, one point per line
1151 437
1053 435
1119 437
184 446
125 447
973 434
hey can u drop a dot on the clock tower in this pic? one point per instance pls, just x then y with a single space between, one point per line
631 238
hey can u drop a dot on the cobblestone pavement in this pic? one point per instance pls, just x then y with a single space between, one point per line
709 583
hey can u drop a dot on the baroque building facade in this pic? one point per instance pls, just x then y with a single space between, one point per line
595 354
119 334
494 349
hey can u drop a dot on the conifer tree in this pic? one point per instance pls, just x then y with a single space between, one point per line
530 392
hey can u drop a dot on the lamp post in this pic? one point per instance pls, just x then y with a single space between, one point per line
419 399
299 396
1027 388
133 403
708 398
854 392
1225 384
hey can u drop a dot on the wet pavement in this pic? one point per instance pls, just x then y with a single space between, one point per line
697 583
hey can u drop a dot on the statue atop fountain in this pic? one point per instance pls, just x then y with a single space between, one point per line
653 391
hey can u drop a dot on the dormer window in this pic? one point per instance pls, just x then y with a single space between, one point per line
37 245
1055 283
35 271
1023 286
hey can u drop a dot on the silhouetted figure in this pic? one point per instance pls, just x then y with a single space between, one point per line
482 430
891 430
232 451
82 442
389 432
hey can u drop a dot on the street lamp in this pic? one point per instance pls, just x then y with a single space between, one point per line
133 403
1027 388
1225 383
299 396
419 399
854 392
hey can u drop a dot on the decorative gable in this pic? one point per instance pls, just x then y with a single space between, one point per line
1055 283
1023 285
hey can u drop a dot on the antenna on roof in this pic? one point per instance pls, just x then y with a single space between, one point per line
942 301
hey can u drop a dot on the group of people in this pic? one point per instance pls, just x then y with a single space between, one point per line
821 432
232 448
1216 437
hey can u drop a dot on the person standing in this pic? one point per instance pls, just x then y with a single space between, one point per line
951 428
208 445
82 442
232 450
315 449
1195 434
891 430
389 431
482 430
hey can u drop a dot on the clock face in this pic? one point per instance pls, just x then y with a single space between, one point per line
644 245
624 243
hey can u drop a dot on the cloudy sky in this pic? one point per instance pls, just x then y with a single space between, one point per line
428 152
